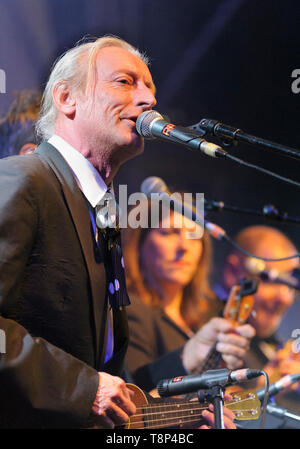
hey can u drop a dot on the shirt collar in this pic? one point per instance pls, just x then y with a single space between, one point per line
88 178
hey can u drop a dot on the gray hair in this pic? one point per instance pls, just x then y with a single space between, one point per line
77 68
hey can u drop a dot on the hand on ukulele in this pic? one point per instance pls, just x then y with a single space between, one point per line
285 362
231 341
228 416
113 405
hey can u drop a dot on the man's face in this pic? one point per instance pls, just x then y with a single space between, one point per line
271 300
123 90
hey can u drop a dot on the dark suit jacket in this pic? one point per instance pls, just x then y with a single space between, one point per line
52 296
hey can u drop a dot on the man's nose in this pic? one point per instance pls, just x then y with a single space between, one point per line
145 98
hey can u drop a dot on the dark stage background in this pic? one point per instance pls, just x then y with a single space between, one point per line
231 60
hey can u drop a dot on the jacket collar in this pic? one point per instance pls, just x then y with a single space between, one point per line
79 212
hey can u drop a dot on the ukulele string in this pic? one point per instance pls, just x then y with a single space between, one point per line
198 410
184 404
162 425
187 418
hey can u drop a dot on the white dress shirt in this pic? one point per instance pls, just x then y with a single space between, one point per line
88 178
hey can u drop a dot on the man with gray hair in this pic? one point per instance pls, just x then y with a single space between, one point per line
65 339
62 283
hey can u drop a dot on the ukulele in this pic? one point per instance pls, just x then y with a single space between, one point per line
156 413
237 309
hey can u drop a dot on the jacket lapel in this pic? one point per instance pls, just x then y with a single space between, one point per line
81 219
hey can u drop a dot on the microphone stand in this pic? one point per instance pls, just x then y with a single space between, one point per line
231 135
269 211
215 395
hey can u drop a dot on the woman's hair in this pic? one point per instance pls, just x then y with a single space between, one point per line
18 126
199 302
77 68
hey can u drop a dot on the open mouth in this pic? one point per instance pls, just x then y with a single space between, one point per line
131 121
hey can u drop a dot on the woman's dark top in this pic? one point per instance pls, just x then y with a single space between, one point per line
155 345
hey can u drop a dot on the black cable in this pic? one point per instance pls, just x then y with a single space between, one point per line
266 259
261 169
266 398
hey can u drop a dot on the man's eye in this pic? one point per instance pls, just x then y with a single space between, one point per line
124 81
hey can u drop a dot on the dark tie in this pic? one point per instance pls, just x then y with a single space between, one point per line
113 260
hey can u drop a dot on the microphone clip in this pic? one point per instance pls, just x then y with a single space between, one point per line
209 126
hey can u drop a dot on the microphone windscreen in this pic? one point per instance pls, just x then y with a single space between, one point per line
162 388
295 377
254 266
153 184
144 121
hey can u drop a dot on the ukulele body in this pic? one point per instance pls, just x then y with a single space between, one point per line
154 413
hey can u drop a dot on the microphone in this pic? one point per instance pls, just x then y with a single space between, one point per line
151 125
154 184
189 384
232 135
258 267
280 412
276 387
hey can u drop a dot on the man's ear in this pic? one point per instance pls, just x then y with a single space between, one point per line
27 148
64 99
232 270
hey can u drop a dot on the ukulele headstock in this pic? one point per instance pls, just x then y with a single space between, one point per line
245 405
240 301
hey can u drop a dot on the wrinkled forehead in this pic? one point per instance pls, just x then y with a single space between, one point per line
114 60
277 249
274 249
